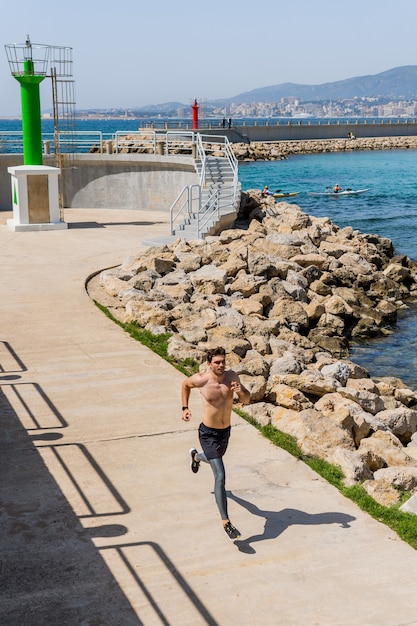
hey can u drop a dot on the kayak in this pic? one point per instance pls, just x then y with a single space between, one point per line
286 195
334 194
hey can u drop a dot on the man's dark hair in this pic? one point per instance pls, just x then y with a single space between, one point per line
215 352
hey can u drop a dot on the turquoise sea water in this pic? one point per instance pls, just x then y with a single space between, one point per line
388 209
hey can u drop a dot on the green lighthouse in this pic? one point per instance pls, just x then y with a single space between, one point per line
30 72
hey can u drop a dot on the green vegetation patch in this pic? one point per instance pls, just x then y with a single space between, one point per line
156 343
404 524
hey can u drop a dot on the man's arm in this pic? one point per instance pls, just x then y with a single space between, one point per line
240 390
196 380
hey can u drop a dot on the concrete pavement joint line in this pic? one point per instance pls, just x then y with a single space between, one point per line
122 438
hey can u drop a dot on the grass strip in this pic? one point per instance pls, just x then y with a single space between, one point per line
404 524
156 343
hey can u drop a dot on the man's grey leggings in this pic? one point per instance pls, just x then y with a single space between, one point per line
219 482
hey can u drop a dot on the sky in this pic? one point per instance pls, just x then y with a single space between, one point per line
133 53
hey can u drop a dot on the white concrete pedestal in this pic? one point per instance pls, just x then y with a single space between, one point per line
35 198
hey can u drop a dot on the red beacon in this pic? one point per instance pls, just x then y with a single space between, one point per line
194 109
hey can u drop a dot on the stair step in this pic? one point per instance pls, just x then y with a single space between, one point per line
219 179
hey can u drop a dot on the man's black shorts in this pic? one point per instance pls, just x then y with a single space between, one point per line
213 441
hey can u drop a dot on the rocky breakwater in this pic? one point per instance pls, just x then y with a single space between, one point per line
278 150
284 296
141 143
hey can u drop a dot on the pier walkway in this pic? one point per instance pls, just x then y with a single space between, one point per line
103 522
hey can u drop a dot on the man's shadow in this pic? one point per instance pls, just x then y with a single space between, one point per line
278 521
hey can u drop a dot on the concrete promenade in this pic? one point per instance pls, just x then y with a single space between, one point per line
103 522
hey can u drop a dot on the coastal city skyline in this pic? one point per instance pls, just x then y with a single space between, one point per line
285 108
131 55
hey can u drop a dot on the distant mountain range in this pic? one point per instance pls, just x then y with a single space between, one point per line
397 83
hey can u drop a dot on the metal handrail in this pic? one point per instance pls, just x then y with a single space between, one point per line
82 139
201 155
175 139
211 208
12 141
185 200
182 204
139 139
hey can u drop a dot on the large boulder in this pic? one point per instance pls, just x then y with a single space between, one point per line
383 449
315 433
208 279
402 422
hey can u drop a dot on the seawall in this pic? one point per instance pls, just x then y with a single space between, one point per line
304 131
124 181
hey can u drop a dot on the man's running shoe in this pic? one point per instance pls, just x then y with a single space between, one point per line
195 465
231 531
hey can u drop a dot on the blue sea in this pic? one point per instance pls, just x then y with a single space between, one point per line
388 209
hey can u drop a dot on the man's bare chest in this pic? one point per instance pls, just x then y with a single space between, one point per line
216 392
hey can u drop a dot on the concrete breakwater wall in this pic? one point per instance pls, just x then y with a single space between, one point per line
304 131
295 130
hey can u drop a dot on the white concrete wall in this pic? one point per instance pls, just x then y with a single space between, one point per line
126 181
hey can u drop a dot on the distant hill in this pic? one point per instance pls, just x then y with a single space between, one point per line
397 83
161 108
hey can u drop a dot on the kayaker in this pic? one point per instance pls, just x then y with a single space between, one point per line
336 188
266 191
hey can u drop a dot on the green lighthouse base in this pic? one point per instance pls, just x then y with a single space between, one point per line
35 198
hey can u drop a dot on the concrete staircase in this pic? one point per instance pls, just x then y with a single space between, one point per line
218 190
219 180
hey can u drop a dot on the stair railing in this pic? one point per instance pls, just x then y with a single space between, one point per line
202 157
189 202
209 211
183 206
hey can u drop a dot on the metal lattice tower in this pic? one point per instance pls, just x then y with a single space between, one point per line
30 64
63 98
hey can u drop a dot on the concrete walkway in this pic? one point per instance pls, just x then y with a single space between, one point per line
103 522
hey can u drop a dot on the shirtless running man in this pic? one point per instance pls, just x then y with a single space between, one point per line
217 387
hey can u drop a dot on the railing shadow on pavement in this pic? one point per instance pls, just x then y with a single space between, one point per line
51 568
276 522
81 225
10 363
158 592
51 571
